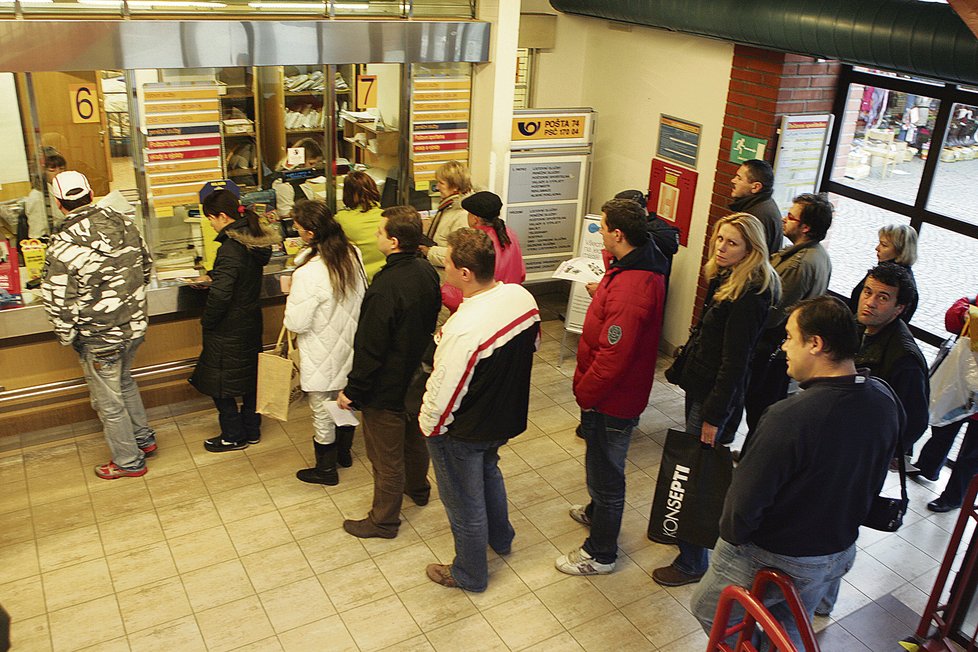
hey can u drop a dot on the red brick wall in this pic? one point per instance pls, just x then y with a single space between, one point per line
764 86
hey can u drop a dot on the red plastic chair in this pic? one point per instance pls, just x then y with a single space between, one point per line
757 614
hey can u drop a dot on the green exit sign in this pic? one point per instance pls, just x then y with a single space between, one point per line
744 148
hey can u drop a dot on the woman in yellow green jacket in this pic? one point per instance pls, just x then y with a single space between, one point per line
361 217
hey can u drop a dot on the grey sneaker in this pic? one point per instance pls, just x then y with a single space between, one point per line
579 514
578 562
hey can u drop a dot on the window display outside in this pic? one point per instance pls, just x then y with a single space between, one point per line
280 133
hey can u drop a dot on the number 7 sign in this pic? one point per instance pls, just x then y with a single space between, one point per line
84 103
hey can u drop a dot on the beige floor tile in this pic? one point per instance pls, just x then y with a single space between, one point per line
526 533
355 585
458 636
564 476
574 601
523 621
655 556
428 520
229 474
404 568
552 518
120 644
31 635
149 564
528 489
76 584
433 606
216 585
362 623
563 642
61 515
151 604
693 642
660 618
872 578
554 419
170 459
14 497
175 488
276 567
243 502
296 604
287 490
69 547
129 532
200 549
326 634
18 527
248 625
273 435
284 461
270 644
535 565
188 517
634 530
23 598
352 502
614 632
331 550
312 517
504 585
74 628
121 501
627 584
258 533
406 536
53 488
511 464
541 451
417 644
182 634
12 467
50 458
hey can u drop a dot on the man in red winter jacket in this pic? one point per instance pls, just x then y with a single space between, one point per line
615 364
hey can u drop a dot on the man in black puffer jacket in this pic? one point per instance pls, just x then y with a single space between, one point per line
396 322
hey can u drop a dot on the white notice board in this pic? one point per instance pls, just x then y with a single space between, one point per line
798 164
589 246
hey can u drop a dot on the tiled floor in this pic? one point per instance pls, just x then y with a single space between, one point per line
230 552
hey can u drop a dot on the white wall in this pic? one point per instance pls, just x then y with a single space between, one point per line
629 75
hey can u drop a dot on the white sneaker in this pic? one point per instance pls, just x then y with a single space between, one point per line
578 562
579 514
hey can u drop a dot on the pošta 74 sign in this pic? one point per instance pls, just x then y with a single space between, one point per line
556 127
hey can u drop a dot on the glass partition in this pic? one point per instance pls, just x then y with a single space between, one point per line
957 170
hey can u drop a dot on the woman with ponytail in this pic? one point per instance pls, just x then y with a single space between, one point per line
227 369
483 213
323 308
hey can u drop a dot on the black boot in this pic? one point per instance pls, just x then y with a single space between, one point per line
344 440
325 470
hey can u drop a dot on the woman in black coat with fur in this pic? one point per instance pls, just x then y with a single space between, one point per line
227 369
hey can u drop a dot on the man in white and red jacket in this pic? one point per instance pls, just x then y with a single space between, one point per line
615 365
475 401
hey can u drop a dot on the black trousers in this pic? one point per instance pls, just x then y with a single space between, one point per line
238 424
767 385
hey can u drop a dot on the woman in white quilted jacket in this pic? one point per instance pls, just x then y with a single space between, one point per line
322 309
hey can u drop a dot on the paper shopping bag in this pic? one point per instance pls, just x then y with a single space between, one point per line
279 386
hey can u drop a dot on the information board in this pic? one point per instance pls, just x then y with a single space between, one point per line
801 155
590 246
544 181
679 140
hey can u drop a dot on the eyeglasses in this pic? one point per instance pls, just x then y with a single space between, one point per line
792 218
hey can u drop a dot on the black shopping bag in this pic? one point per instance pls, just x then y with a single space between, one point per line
689 493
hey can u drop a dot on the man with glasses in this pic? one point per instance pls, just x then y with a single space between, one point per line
805 269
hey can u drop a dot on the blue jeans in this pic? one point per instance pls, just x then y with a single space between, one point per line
607 440
692 559
115 397
738 564
472 490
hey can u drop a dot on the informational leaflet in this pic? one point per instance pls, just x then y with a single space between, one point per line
183 142
589 248
439 125
801 154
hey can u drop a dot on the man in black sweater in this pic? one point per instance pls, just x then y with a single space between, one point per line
397 319
817 461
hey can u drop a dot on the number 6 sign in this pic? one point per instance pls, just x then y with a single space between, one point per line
84 104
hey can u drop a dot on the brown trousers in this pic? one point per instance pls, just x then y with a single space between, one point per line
397 452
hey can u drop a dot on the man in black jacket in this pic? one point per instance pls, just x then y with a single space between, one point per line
476 400
795 503
397 319
752 188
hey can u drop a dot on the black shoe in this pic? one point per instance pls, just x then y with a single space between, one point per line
219 445
940 506
918 473
672 576
253 439
325 470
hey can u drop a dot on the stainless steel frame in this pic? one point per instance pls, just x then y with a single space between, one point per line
121 45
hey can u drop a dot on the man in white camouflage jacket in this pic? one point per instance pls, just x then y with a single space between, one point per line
94 290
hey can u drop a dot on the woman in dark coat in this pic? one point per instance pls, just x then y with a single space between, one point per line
227 369
716 364
898 244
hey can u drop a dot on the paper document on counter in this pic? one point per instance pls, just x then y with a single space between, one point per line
340 416
582 270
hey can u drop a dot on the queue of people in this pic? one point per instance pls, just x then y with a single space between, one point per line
365 300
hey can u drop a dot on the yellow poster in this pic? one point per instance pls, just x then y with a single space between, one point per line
182 118
181 94
173 107
441 84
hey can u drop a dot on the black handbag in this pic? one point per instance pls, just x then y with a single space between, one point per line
674 374
690 490
942 351
886 514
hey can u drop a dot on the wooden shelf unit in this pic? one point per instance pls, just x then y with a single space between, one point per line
240 92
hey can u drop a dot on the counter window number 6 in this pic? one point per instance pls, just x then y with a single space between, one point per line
82 100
